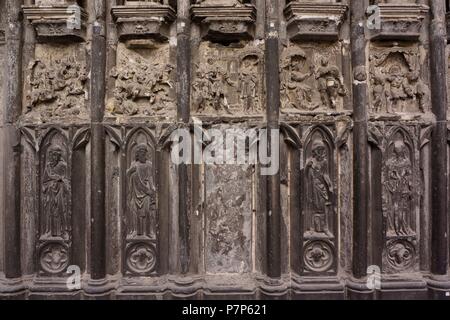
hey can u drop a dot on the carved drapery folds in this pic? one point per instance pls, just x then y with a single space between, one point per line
144 20
401 197
228 20
64 21
141 214
397 19
314 20
229 82
396 82
137 188
54 147
311 80
319 203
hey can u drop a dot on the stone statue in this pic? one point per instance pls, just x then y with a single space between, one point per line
399 186
329 83
298 94
319 187
398 89
141 195
55 193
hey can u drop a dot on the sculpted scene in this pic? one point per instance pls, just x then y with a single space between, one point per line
224 149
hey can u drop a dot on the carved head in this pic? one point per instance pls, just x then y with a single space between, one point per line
141 153
399 149
395 70
54 155
323 61
318 148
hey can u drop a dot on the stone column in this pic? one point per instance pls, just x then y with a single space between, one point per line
183 115
439 195
97 99
272 59
360 155
11 148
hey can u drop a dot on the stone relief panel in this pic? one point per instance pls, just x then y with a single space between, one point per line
141 218
228 81
57 84
319 202
311 79
396 83
144 83
229 203
401 197
53 207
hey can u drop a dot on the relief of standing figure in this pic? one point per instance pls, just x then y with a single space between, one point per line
319 188
55 193
141 195
399 186
329 83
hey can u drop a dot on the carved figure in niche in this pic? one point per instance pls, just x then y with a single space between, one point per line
329 83
61 84
142 87
399 187
247 85
55 193
398 88
379 93
298 94
209 88
319 187
396 82
141 195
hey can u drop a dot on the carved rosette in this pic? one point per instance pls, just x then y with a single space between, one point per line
398 21
225 22
54 257
318 256
314 21
140 258
150 21
62 23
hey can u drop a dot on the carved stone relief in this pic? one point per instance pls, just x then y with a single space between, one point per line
320 210
57 78
144 83
396 82
311 79
314 20
57 21
227 81
401 195
399 19
141 218
230 20
228 209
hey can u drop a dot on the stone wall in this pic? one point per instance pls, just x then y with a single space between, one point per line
93 92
